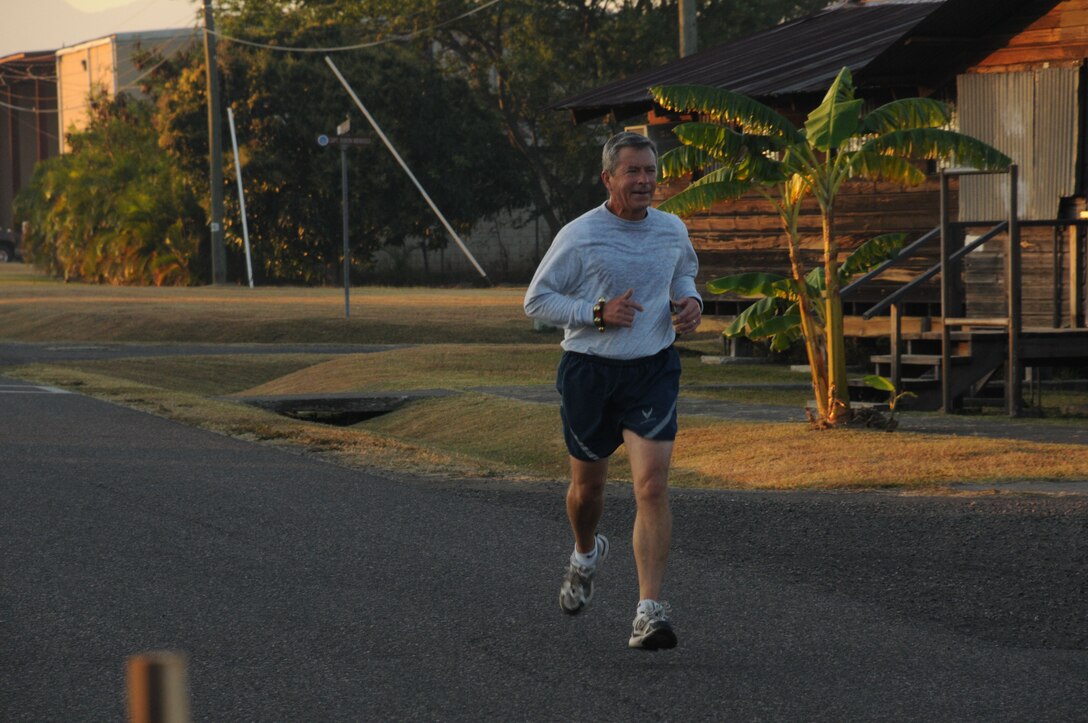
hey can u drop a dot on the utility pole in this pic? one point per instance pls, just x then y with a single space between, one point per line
215 150
688 38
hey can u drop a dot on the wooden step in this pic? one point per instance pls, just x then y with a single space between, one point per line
918 359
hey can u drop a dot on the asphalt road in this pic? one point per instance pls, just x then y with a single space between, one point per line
303 591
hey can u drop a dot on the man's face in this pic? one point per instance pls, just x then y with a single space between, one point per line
632 183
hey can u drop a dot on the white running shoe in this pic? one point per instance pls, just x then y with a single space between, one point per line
577 588
652 629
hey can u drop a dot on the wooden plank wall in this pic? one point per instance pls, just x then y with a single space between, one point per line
746 234
1059 37
984 277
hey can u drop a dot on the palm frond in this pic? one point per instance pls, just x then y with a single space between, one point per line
701 197
753 316
906 114
871 254
724 106
722 142
787 324
726 174
836 119
879 167
682 160
752 284
939 144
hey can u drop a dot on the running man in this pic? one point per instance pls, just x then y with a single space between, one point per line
620 280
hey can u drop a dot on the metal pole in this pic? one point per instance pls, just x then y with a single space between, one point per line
946 301
347 246
215 150
241 195
396 156
1012 288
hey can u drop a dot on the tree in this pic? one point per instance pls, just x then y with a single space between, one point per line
114 209
283 101
523 55
744 145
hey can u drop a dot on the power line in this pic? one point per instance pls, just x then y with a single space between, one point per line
360 46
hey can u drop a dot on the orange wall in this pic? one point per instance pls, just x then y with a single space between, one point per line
1060 37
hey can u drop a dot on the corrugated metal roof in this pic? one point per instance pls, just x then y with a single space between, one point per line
890 46
802 56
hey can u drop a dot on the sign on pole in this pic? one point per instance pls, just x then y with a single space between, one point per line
344 141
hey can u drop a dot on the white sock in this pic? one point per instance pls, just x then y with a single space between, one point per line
646 606
585 559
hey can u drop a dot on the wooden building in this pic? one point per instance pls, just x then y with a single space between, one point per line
1014 73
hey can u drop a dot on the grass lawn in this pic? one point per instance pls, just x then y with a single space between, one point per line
466 338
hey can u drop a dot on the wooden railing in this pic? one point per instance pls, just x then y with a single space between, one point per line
952 297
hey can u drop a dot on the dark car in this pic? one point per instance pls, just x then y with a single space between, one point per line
9 245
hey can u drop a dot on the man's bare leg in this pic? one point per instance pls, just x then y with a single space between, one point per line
585 500
653 519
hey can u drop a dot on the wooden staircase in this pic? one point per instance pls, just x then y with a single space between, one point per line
978 364
962 362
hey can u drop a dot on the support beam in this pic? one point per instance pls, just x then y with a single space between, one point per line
946 300
1076 277
1013 291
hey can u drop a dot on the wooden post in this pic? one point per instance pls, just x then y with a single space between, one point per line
946 302
1013 294
158 688
897 346
1076 280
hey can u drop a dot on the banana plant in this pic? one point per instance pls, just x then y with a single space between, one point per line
740 145
776 317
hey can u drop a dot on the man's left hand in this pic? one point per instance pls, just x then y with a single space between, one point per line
687 316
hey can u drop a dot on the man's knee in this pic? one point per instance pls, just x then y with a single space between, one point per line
587 479
652 489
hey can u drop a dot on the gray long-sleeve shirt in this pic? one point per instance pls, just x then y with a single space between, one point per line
602 255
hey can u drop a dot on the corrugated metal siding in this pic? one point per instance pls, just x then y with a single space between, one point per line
1031 116
1057 123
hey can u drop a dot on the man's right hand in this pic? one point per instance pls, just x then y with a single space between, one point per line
621 310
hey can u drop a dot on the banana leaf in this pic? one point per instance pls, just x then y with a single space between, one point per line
837 118
871 254
721 142
754 315
724 106
701 197
776 325
935 144
681 161
878 167
753 284
906 114
878 382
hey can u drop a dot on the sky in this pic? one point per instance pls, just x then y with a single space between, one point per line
52 24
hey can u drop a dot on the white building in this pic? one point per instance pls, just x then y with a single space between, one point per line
106 64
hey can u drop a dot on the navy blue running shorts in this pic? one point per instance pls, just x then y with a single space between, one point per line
602 397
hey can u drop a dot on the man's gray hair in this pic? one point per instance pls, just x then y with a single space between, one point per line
611 153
